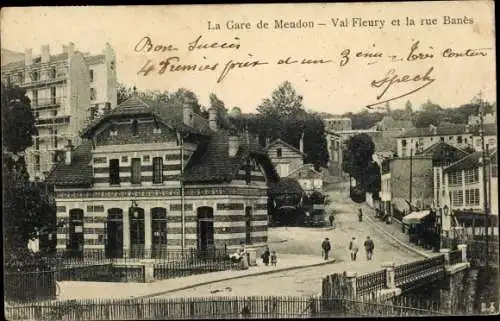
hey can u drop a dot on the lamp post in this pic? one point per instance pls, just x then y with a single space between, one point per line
484 161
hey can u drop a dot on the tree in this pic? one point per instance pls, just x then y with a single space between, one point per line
18 122
284 102
123 93
358 163
93 112
28 209
184 96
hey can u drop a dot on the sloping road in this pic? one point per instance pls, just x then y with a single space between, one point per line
302 241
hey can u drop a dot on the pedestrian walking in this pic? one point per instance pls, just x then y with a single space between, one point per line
369 246
353 248
331 218
360 215
326 247
274 258
265 256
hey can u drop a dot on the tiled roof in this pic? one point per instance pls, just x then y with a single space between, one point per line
449 129
443 153
280 141
170 115
305 171
470 161
385 141
211 161
79 172
286 185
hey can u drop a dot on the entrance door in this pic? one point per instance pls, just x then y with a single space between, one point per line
136 220
159 232
75 242
114 232
205 228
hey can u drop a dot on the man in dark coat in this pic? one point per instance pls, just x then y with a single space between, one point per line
326 247
265 256
369 246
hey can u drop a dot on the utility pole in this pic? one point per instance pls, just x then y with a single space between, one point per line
411 174
485 189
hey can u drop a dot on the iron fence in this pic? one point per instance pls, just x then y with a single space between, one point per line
369 283
209 308
25 286
417 271
100 256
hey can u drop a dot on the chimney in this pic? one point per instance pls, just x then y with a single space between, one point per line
187 114
28 57
234 145
212 118
71 50
69 152
301 143
45 53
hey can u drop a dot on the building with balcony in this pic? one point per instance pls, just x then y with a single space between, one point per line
60 88
463 192
150 177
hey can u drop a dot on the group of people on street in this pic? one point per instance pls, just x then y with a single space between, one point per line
353 248
267 254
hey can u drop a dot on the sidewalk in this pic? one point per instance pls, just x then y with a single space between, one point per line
89 290
394 232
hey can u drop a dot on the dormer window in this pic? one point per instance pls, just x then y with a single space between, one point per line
135 127
278 153
113 131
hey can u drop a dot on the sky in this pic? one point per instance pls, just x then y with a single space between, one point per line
326 87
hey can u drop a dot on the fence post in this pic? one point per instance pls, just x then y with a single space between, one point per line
148 272
350 279
446 253
390 274
463 248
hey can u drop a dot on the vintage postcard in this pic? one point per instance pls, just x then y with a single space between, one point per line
249 161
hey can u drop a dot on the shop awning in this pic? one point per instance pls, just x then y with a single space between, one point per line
415 217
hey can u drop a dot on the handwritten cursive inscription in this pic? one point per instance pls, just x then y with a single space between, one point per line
199 44
146 45
392 79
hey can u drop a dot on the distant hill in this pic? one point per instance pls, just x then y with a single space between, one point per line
9 56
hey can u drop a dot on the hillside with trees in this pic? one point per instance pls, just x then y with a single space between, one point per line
429 113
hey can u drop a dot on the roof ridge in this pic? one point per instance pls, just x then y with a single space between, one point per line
460 160
286 144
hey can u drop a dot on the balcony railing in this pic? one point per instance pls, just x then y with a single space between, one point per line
47 102
55 120
46 81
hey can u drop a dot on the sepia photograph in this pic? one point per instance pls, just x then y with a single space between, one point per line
249 161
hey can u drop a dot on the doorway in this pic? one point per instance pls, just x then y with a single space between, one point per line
75 242
136 219
114 233
159 232
205 233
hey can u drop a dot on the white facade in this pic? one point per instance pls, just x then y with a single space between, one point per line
59 89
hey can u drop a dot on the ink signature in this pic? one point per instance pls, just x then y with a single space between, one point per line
392 79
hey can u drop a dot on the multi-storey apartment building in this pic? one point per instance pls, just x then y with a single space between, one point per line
151 177
337 123
462 188
62 89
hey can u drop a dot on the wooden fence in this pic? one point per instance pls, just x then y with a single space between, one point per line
37 285
208 308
